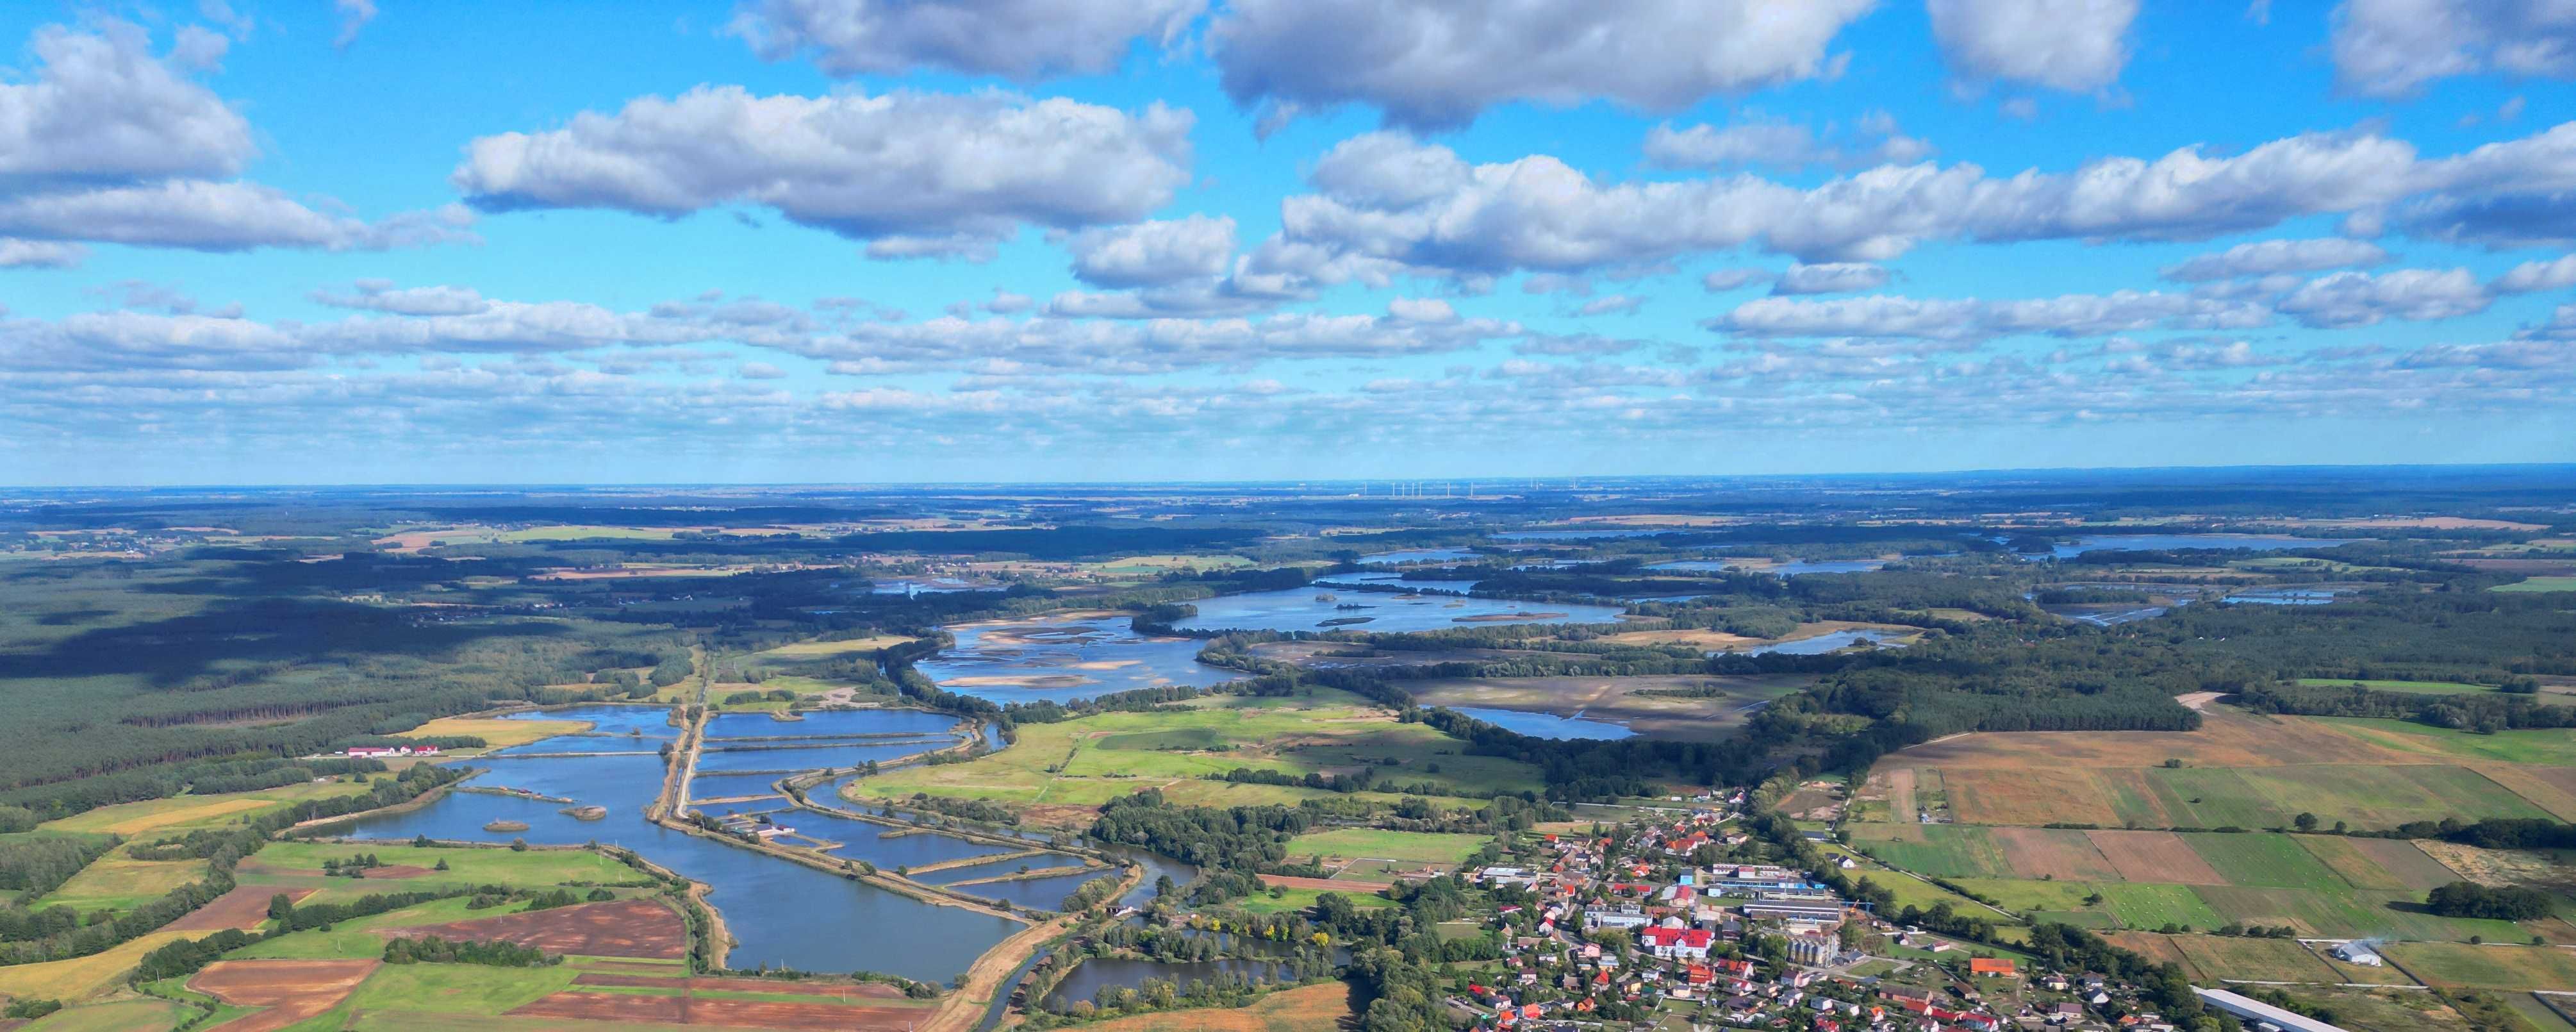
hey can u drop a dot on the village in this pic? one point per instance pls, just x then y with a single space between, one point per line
1653 925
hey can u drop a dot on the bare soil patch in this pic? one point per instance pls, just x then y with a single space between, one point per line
2026 795
2045 853
2154 856
624 928
847 992
244 908
291 990
2225 739
690 1010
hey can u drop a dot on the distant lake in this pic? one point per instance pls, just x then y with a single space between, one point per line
1298 609
1547 725
2175 542
2286 596
1397 580
1791 568
1064 658
1421 555
1574 535
931 586
1824 643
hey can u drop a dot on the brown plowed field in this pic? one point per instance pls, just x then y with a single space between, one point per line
626 1007
2224 740
292 990
844 991
2047 853
2154 856
624 928
2025 795
244 908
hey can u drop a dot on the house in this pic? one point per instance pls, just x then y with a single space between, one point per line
1678 943
388 751
1991 967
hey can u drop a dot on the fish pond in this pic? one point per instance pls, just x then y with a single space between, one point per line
782 913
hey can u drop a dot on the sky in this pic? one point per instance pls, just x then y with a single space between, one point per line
825 241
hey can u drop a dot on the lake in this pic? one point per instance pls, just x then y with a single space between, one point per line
1064 658
1420 555
1547 725
2175 542
1298 609
1576 535
1824 643
783 913
1791 568
2286 596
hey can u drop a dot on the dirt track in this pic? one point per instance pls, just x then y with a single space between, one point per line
625 928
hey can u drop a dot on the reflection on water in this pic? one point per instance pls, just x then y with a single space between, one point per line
1546 725
1310 609
783 913
1064 658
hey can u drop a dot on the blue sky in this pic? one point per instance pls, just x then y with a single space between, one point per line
306 241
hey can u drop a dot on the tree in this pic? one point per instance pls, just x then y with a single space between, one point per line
2305 822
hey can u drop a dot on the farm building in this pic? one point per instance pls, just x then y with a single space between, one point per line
2252 1010
2357 952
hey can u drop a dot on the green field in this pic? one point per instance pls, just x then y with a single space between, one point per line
1369 843
2554 747
118 1016
178 814
456 988
2409 687
2365 795
2540 584
2155 906
357 938
299 864
1094 759
2487 967
117 882
1940 850
2264 860
1286 900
